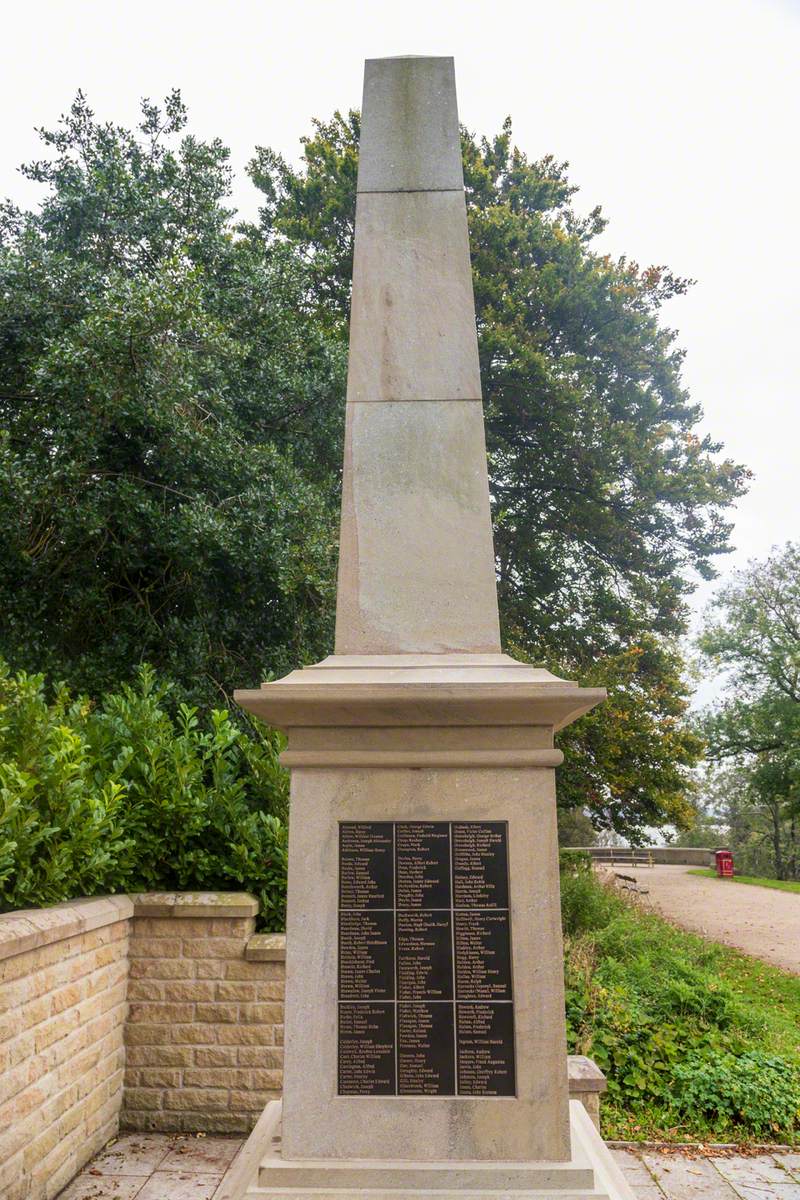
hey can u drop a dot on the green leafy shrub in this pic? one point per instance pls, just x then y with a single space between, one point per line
126 795
694 1038
756 1090
584 905
570 860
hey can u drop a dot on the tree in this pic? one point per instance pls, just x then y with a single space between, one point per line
171 407
603 495
167 490
753 633
713 821
575 828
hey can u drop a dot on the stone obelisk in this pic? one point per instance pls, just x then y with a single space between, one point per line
425 1043
416 561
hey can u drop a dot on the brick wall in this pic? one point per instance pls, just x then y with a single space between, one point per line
204 1032
62 1006
155 1011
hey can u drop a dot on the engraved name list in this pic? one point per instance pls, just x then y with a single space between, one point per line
425 992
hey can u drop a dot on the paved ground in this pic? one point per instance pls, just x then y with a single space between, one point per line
761 921
658 1176
153 1166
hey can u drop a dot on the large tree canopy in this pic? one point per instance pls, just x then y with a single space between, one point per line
752 632
171 404
165 487
604 497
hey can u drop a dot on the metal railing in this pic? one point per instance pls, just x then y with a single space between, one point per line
622 856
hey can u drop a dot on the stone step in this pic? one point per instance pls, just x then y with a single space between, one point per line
255 1192
599 1176
395 1177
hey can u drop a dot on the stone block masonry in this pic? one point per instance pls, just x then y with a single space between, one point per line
63 974
150 1012
204 1033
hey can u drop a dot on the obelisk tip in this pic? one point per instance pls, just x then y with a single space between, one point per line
409 126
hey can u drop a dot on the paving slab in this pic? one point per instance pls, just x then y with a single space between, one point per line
637 1175
761 1177
143 1166
210 1156
179 1185
790 1163
769 1191
137 1154
104 1187
683 1178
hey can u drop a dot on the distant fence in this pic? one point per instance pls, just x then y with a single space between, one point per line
647 856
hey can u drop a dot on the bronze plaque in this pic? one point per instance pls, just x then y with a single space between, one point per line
425 987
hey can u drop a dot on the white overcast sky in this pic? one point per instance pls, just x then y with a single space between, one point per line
681 119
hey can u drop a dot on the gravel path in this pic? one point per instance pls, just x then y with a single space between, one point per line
762 922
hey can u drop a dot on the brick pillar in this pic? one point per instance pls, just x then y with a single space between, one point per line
204 1034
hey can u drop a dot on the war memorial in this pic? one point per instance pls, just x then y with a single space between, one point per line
425 1041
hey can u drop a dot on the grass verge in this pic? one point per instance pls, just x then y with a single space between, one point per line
698 1041
780 885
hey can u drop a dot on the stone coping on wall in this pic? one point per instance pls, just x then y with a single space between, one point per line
584 1075
194 904
29 928
266 947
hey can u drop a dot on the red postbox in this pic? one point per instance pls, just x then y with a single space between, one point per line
724 860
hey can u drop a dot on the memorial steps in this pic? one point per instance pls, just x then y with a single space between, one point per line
592 1173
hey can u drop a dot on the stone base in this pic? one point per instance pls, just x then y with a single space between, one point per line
591 1173
423 738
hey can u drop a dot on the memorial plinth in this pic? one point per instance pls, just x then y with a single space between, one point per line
425 1040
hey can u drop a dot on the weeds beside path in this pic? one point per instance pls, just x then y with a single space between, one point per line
699 1042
